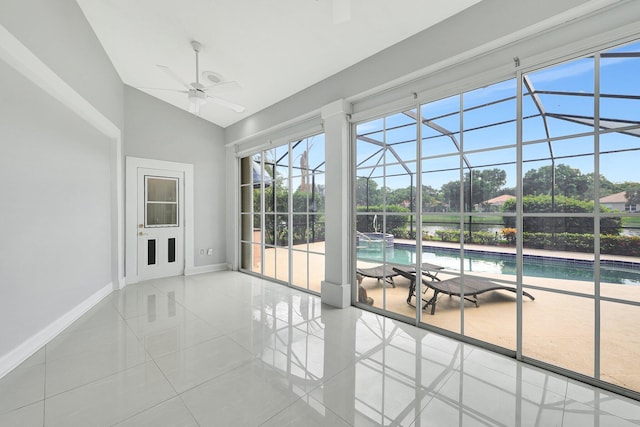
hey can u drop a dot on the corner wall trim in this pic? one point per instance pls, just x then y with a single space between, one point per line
22 352
205 269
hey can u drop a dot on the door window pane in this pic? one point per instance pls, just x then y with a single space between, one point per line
558 329
162 189
489 116
160 214
619 94
619 343
161 205
563 97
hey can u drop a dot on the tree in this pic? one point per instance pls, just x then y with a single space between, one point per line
430 200
451 195
485 184
570 182
606 187
633 195
400 196
367 192
537 181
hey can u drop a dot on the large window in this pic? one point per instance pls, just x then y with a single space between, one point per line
385 201
517 207
282 213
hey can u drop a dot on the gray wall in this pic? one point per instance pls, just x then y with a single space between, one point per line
157 130
56 248
57 32
56 170
480 24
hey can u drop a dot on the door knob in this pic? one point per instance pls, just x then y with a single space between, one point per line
142 234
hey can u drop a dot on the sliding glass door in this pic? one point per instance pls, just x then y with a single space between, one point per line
440 213
515 213
282 213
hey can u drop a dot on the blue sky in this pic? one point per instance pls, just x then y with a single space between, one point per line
617 76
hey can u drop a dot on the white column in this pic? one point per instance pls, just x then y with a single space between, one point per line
336 289
232 214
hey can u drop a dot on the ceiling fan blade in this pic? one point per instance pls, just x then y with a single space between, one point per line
224 103
222 86
174 76
164 89
341 11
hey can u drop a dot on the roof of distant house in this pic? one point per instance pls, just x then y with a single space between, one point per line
499 200
615 198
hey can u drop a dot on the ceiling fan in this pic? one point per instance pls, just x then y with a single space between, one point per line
197 93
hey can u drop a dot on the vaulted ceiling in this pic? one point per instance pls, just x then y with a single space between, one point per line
270 48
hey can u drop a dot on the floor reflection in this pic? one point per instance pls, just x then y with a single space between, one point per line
229 349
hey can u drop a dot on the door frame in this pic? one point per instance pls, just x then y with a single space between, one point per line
131 208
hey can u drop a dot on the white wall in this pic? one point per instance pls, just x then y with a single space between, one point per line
157 130
58 207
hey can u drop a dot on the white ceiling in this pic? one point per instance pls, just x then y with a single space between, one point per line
272 48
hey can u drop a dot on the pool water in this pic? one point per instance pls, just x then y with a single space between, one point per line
485 262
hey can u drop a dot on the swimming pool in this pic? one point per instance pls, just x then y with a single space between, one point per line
620 272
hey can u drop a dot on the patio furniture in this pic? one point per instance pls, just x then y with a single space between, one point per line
380 272
387 271
472 287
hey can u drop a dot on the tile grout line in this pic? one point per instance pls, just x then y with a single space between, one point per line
101 378
178 395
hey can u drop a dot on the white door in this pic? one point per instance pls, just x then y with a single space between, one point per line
160 228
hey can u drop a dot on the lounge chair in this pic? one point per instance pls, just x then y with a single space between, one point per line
387 272
380 272
473 286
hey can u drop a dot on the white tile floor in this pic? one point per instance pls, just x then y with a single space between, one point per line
227 349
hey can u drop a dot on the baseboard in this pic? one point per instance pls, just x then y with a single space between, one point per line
130 280
21 353
335 294
205 269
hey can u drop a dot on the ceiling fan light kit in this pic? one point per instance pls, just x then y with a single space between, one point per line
196 99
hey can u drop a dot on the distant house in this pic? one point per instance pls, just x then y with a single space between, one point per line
618 202
494 205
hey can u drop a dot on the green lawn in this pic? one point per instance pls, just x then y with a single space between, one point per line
455 219
631 221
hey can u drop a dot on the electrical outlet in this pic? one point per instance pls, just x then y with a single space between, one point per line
201 251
